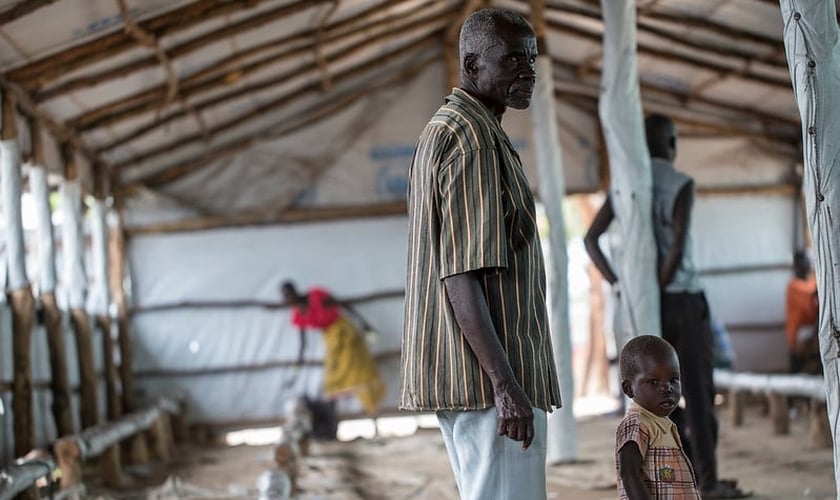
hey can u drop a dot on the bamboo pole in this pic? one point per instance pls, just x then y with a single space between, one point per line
288 216
19 292
59 375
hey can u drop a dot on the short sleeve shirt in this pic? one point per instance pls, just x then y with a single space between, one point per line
470 208
667 472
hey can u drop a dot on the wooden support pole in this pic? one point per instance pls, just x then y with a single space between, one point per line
23 315
112 389
819 431
20 294
87 369
736 407
160 435
116 277
779 415
76 282
59 380
59 375
69 457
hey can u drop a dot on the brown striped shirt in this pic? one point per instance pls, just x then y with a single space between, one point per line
470 208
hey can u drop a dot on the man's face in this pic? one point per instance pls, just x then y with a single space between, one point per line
656 387
505 74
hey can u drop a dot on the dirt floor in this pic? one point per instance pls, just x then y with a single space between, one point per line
416 467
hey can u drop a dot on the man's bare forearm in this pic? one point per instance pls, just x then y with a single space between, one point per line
473 316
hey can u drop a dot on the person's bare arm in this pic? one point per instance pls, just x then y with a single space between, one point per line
513 408
599 226
630 471
302 346
681 217
347 306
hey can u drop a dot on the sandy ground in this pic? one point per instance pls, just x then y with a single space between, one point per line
416 467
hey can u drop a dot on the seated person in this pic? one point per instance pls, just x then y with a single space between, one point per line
801 308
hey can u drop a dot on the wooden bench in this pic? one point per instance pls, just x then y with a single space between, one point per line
103 440
777 388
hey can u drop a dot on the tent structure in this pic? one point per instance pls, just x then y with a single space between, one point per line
223 146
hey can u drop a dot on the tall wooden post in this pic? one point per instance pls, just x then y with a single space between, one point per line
99 300
59 380
20 293
562 427
812 46
631 176
116 274
76 285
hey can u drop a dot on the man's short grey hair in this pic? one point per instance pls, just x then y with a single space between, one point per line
480 29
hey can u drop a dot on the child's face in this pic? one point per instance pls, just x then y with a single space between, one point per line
656 387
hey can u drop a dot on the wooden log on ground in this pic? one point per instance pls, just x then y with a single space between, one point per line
102 441
19 478
779 415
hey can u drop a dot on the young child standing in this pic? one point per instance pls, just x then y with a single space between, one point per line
649 456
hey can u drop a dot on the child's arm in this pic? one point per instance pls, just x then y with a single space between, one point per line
630 471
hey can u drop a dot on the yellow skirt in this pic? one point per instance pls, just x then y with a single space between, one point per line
349 366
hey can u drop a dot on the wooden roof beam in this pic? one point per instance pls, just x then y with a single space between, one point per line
190 87
772 55
38 73
670 55
180 50
21 9
314 87
314 114
58 130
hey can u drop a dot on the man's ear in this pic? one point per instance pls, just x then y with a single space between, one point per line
627 388
470 65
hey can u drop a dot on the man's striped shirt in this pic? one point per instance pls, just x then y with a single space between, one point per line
470 208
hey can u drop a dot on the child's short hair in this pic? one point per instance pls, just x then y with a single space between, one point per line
633 350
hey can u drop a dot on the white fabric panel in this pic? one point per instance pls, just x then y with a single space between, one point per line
562 440
631 182
73 278
10 180
43 229
350 258
812 46
99 298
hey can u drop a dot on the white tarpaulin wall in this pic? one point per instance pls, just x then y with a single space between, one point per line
244 345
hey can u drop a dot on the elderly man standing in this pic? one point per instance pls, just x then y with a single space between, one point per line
476 346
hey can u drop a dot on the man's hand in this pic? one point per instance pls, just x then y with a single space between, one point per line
513 409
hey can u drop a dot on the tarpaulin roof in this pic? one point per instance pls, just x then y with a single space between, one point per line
158 92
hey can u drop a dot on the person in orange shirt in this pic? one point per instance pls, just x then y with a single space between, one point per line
801 308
